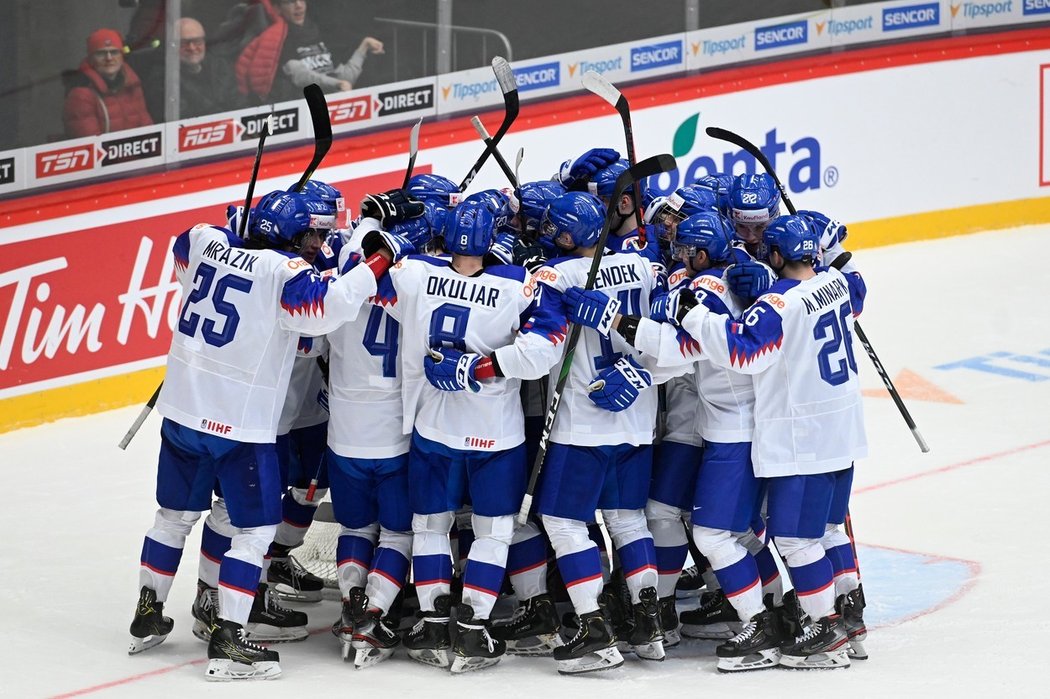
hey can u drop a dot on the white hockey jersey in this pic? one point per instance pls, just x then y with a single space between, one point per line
629 278
797 343
439 307
365 379
236 335
301 407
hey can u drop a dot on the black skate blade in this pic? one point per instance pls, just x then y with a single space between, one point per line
760 660
225 670
598 661
138 645
430 656
463 664
367 657
534 646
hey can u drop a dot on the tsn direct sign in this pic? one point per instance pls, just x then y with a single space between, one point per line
65 161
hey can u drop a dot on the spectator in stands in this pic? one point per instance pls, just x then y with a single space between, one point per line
105 94
290 54
206 86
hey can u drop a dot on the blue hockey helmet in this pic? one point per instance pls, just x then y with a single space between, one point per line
680 204
579 214
422 229
535 197
316 189
471 230
280 219
721 183
755 201
440 190
793 237
603 182
503 204
709 231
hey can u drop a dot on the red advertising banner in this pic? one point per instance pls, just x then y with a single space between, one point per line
102 297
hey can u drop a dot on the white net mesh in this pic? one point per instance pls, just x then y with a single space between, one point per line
317 554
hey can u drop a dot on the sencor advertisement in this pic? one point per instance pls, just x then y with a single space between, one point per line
72 309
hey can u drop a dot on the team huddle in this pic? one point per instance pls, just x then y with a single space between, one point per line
406 366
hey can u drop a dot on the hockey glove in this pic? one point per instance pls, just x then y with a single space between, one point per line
678 304
448 369
579 171
374 241
502 249
749 279
591 308
617 387
831 232
391 207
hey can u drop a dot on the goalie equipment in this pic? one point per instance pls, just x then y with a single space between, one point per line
149 627
231 656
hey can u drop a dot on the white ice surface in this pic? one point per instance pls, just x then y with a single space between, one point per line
955 558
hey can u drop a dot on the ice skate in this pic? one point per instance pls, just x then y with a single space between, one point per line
374 640
646 638
592 649
205 611
475 648
689 584
615 601
711 620
352 615
291 582
669 622
756 647
149 627
533 630
851 607
272 623
428 641
232 657
823 645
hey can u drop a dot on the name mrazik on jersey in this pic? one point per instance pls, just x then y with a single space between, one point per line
241 259
617 276
462 290
825 295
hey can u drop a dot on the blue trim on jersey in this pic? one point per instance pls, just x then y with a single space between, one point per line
858 291
352 260
431 260
159 557
304 293
748 342
181 250
782 285
514 272
386 294
549 317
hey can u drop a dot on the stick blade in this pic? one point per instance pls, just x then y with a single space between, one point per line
504 75
726 135
664 162
318 105
594 82
413 137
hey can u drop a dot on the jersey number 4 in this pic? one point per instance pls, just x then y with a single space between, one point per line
834 370
205 286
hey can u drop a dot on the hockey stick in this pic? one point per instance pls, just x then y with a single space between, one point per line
322 131
741 142
647 168
241 227
509 86
594 82
492 148
266 130
413 150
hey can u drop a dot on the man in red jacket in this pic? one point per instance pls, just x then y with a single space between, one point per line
106 94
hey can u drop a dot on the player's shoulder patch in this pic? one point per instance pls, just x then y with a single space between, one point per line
297 264
772 299
676 277
547 275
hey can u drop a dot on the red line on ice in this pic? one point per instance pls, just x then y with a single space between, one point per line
953 467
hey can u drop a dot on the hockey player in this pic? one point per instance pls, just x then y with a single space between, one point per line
754 201
244 305
464 442
369 468
796 342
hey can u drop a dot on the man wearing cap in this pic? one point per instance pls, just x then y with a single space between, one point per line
106 94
